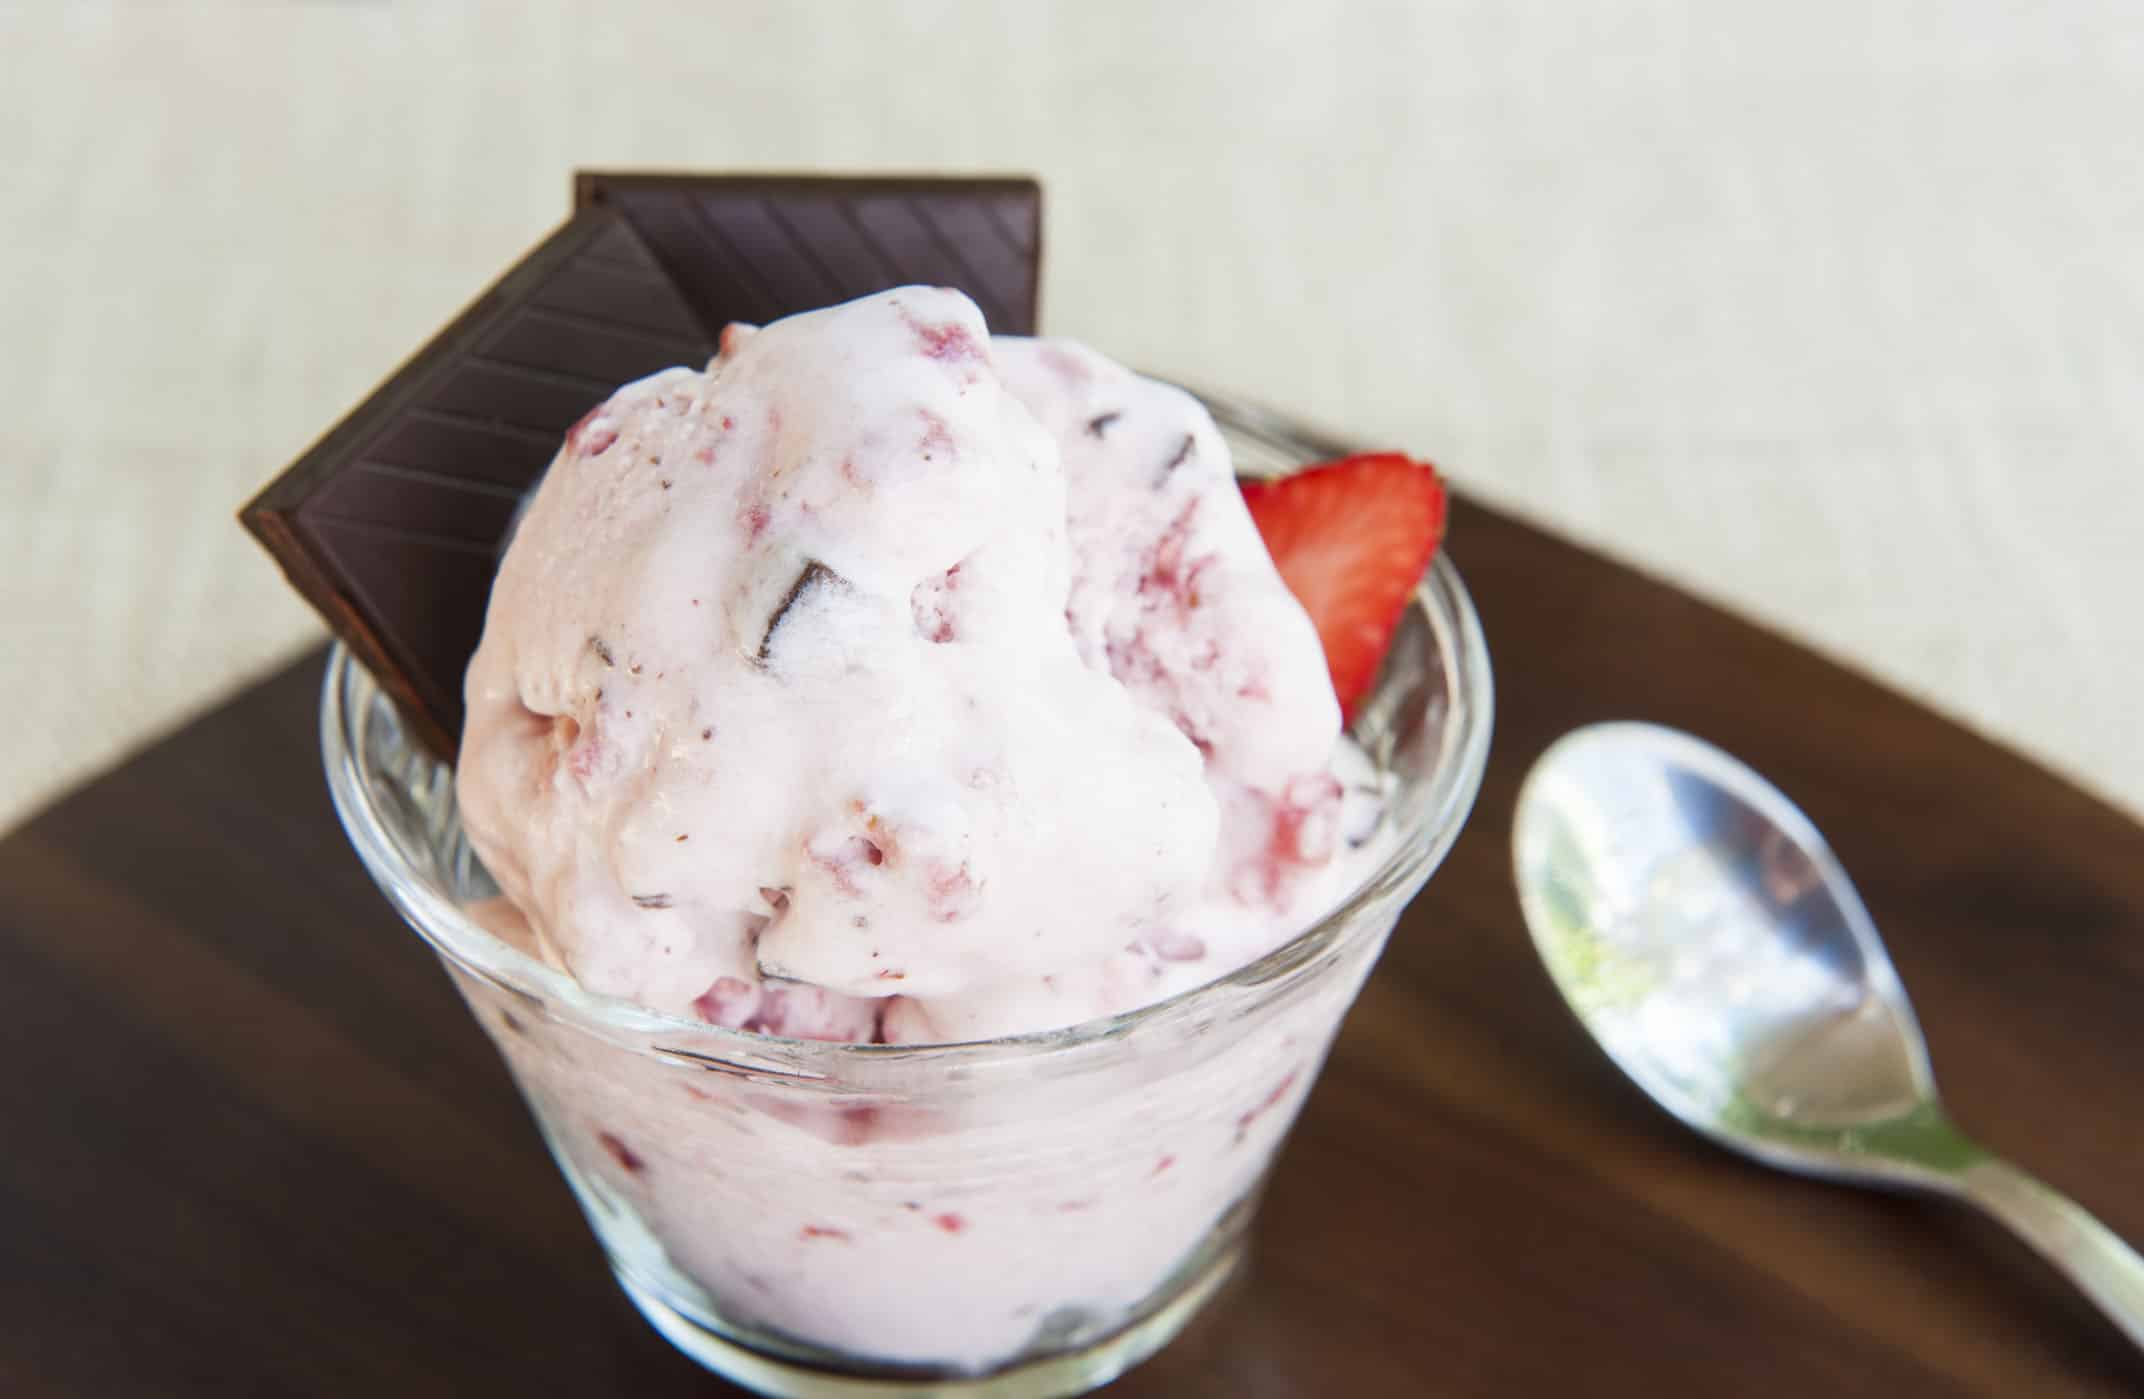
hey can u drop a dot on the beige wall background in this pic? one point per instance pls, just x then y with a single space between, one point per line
1831 311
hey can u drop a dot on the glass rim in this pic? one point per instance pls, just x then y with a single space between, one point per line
1432 819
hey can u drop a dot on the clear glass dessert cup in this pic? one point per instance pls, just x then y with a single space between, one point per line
1022 1216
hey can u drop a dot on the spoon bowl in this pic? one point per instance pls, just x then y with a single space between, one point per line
1710 942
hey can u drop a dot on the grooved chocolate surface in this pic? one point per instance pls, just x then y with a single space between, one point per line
390 525
255 1145
752 248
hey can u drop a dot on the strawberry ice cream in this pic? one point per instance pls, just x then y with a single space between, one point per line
892 685
887 683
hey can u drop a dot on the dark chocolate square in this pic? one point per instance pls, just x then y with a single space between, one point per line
391 524
758 247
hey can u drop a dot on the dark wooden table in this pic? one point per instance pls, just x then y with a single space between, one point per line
254 1145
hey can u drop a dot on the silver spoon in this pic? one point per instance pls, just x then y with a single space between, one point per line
1709 940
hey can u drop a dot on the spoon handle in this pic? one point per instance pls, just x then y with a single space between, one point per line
2107 1270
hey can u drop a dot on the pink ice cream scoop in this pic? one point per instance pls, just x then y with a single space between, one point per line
887 682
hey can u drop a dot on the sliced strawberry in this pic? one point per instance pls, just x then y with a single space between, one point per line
1351 539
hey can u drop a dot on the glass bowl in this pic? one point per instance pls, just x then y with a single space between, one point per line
1026 1215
